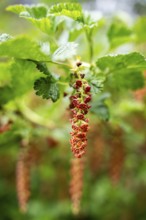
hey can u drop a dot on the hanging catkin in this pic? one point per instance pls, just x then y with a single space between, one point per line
23 177
117 155
76 183
97 153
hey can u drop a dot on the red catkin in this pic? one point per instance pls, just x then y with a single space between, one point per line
79 120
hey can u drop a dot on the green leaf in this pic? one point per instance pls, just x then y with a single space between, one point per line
72 10
99 106
36 14
124 71
47 88
34 11
139 29
65 51
119 33
118 63
16 8
23 48
42 67
127 80
5 75
23 74
88 25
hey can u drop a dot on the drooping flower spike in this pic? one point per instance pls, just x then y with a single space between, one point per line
79 107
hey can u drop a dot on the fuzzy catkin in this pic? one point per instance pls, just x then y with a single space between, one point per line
23 179
117 155
76 183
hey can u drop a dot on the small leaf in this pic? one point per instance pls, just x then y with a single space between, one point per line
34 11
47 88
36 14
16 8
65 51
42 67
72 10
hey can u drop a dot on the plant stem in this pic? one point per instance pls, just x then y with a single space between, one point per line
57 63
33 116
90 43
50 61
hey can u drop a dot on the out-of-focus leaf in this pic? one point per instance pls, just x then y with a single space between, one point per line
99 107
125 70
37 14
127 80
119 33
116 63
5 75
34 11
22 48
23 74
139 29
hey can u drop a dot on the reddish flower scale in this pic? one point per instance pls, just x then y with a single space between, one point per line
79 107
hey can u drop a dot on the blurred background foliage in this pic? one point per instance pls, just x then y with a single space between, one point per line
115 168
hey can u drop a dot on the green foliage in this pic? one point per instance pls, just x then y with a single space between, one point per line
139 29
119 33
117 63
22 75
47 88
125 70
22 47
99 106
131 80
35 14
72 10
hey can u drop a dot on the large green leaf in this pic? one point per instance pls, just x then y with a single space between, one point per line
23 74
124 71
116 63
72 10
22 48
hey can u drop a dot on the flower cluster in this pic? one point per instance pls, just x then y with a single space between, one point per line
79 107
